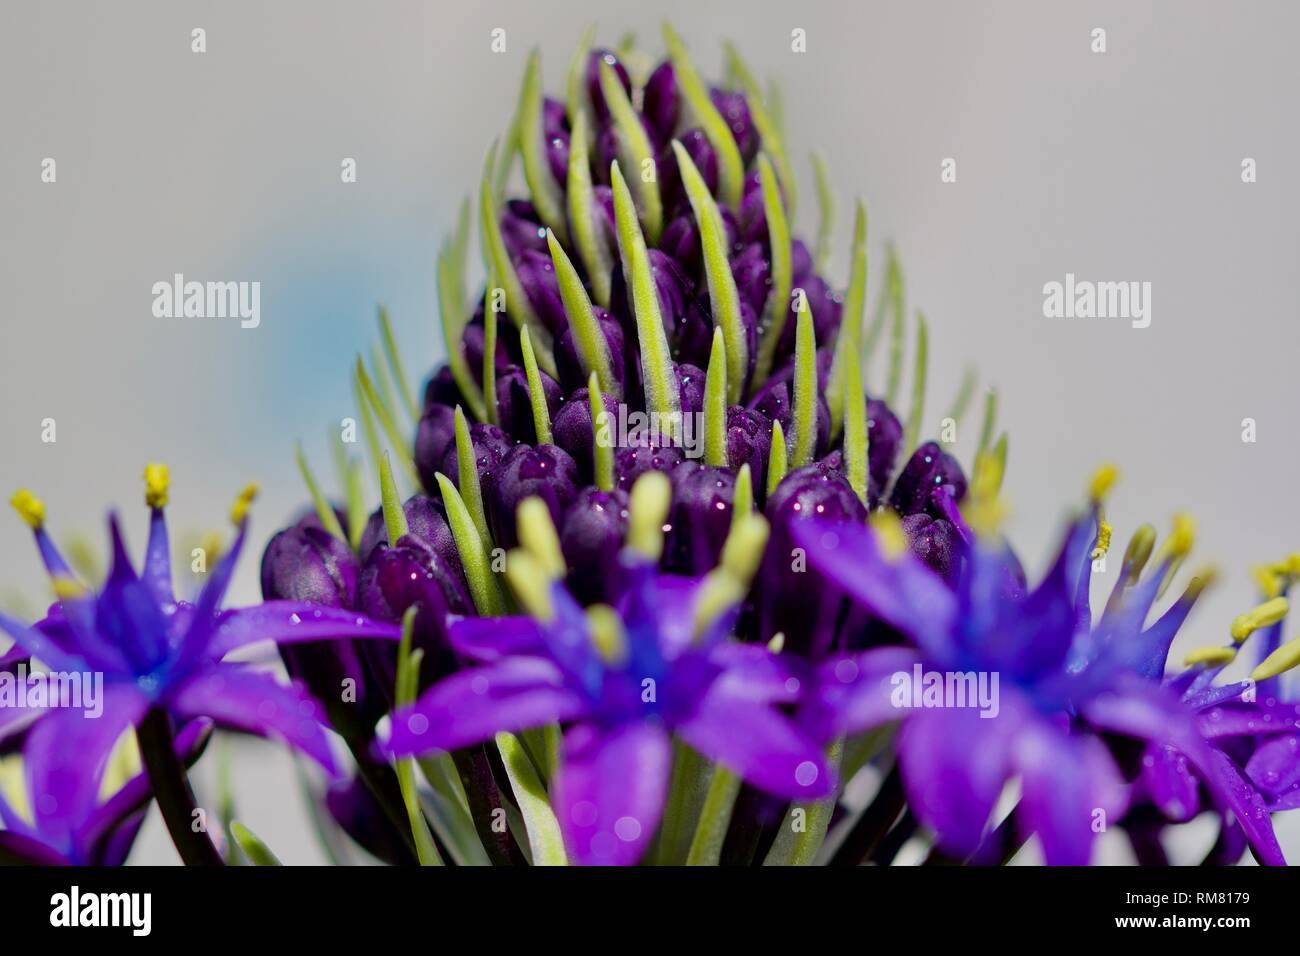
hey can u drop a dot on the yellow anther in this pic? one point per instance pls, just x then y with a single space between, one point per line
1103 480
531 584
1268 579
607 634
239 510
1212 656
1265 615
156 484
1279 662
743 549
537 534
30 508
1103 540
777 644
647 511
1182 537
66 588
889 533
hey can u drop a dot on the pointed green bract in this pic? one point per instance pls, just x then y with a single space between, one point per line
894 383
776 459
547 194
965 392
258 853
473 550
768 130
498 263
490 354
386 421
396 367
602 444
803 412
742 498
990 419
367 423
825 213
536 395
394 516
917 412
586 217
544 836
634 152
451 317
349 474
576 102
848 339
379 375
589 340
778 300
324 511
854 414
1000 458
662 389
715 403
723 294
471 491
408 671
731 170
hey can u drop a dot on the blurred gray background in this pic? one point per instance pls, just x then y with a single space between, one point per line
225 166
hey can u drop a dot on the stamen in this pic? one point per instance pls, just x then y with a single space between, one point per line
1138 552
239 510
536 395
538 536
1211 656
1279 662
731 171
531 584
723 295
1103 541
30 508
777 644
634 151
607 634
547 195
1103 480
157 482
776 460
889 533
1269 581
647 511
715 403
727 584
1264 615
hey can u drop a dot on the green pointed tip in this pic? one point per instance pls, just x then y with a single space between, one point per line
577 103
536 394
602 439
965 393
778 300
394 357
825 212
662 389
467 478
592 347
634 151
919 370
776 464
473 551
394 516
768 129
451 308
384 415
547 194
731 169
490 353
742 498
723 295
1000 458
856 436
896 329
848 338
990 419
258 853
585 216
324 511
715 403
804 411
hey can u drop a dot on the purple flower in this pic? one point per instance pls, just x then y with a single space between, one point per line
622 691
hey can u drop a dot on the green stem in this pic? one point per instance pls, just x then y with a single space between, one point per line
171 788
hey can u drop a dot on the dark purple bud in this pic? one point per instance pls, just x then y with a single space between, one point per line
749 442
801 261
691 382
775 401
694 334
593 81
571 430
426 519
491 444
522 229
672 285
753 214
929 468
885 435
700 150
591 536
556 131
659 101
410 574
791 598
546 472
566 352
681 239
699 518
753 275
934 541
358 813
514 402
434 435
644 451
826 305
441 389
536 274
735 110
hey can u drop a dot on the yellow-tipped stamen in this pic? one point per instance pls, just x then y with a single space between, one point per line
777 644
889 533
67 588
30 508
1103 479
157 482
607 634
538 535
647 511
1269 581
1279 662
1103 541
985 509
531 584
1264 615
726 585
239 510
1210 656
1138 552
1181 539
